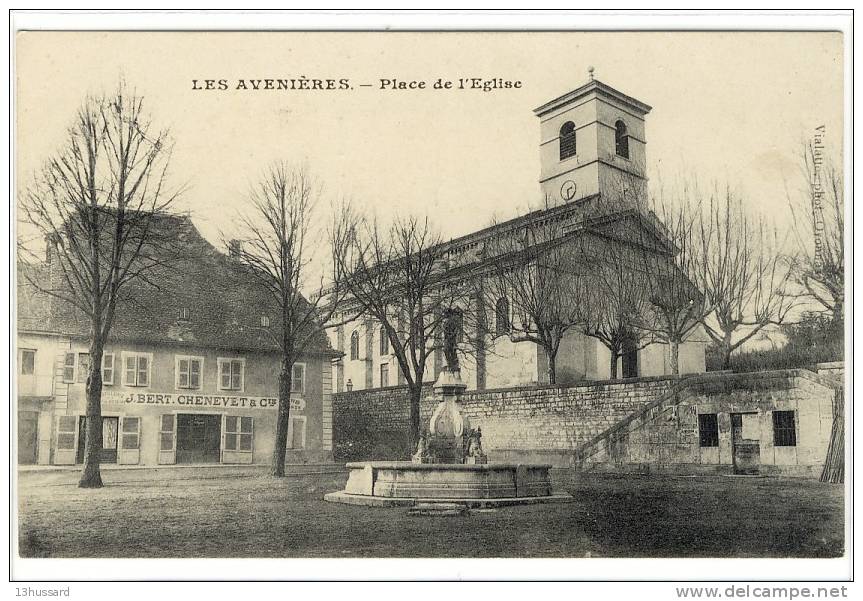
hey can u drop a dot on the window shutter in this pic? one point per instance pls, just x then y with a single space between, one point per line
83 367
130 438
246 433
67 440
143 371
129 372
168 439
108 368
225 374
194 374
67 425
183 373
236 375
69 368
231 432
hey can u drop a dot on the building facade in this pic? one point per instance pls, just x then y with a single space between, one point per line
592 169
190 373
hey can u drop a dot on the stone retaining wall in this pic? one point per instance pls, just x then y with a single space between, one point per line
545 423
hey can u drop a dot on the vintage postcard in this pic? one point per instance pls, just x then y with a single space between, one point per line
570 293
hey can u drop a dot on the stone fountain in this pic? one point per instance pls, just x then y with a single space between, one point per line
449 465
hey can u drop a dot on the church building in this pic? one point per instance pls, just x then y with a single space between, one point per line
592 146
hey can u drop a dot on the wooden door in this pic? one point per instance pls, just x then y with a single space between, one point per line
110 434
199 438
28 424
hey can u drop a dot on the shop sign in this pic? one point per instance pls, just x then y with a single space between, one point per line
116 397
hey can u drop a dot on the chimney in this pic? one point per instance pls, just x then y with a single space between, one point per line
234 249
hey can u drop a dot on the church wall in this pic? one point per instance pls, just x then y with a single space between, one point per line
511 363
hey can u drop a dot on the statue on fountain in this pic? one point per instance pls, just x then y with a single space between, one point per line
451 326
475 455
422 453
450 435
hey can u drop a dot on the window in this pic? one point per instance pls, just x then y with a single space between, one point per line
385 342
265 321
189 370
708 430
567 140
621 140
297 432
238 433
183 314
27 365
130 435
231 374
83 367
501 316
69 368
108 369
784 431
136 369
355 345
298 378
385 375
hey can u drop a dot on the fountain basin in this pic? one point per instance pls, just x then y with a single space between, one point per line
390 483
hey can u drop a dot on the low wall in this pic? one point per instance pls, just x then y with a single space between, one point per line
664 436
833 368
521 424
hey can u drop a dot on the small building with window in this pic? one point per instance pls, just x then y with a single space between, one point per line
190 372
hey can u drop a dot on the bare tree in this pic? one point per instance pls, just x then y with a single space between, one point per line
277 243
398 277
617 300
539 271
740 271
818 265
670 258
97 203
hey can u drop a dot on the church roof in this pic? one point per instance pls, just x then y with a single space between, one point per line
587 214
597 87
224 302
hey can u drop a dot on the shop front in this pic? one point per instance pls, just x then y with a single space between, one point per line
168 428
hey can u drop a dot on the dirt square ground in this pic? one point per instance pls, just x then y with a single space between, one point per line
244 513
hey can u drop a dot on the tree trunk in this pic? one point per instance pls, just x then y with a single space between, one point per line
91 477
415 392
552 368
612 366
675 358
282 419
726 356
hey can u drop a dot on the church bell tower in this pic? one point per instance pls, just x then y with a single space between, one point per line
592 143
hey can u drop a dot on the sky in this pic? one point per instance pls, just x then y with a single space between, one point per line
727 107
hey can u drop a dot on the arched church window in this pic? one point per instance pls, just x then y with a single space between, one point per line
501 312
567 140
355 345
621 140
